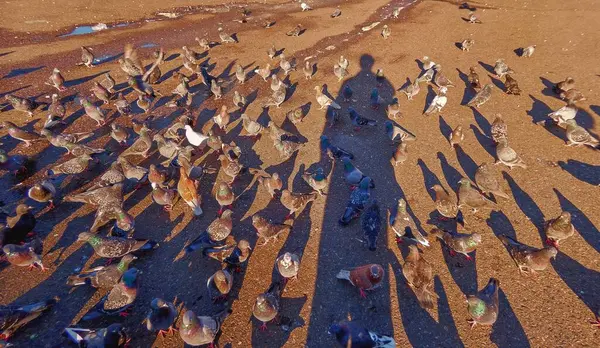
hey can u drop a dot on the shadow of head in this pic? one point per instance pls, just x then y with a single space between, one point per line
366 62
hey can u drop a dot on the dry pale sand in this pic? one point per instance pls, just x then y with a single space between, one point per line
550 309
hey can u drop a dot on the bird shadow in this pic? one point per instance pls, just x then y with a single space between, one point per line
580 221
22 71
538 112
429 98
445 128
585 172
463 271
468 91
548 87
469 166
526 204
172 57
486 142
497 82
458 45
487 67
73 83
500 224
596 109
518 51
451 175
508 331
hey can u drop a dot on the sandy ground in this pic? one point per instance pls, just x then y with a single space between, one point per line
550 309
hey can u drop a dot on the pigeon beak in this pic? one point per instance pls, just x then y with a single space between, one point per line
29 208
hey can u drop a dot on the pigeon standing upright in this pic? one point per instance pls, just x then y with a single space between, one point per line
461 243
528 259
219 284
487 182
201 330
403 225
484 306
371 224
266 307
482 96
161 317
438 102
559 229
367 277
288 265
419 276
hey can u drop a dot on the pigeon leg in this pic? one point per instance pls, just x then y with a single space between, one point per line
552 243
161 333
108 262
363 294
596 322
263 327
220 212
51 205
168 207
172 330
399 240
452 252
472 322
126 313
469 258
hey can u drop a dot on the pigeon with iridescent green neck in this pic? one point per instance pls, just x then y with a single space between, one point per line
461 243
20 134
120 298
318 180
403 225
529 259
21 104
469 197
102 276
94 112
484 306
111 247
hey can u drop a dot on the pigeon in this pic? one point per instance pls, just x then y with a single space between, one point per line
507 156
296 31
113 175
511 85
238 100
308 70
56 112
13 163
65 140
486 181
285 64
20 134
100 92
358 199
266 307
371 224
400 155
461 243
102 276
528 51
161 317
109 82
272 51
251 127
565 113
25 255
501 68
438 102
295 116
317 180
393 109
13 317
577 135
444 204
215 234
367 277
20 226
223 195
483 307
122 105
132 172
271 182
336 13
305 7
195 138
219 284
347 93
352 174
109 201
276 99
221 252
201 330
240 74
43 192
482 96
188 191
286 148
231 167
324 100
112 247
336 151
559 229
386 32
154 74
265 72
164 197
238 254
94 112
296 202
376 99
499 129
120 298
73 166
427 76
564 85
419 276
473 19
113 336
466 44
427 63
56 80
358 121
395 15
469 197
222 118
572 96
473 78
226 38
403 225
351 335
440 79
203 43
288 265
527 258
130 63
21 104
87 57
456 136
119 134
411 89
340 72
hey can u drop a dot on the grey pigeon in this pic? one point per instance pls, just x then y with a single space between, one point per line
371 224
484 306
403 225
359 121
13 317
358 199
161 317
113 336
461 243
288 265
266 307
351 335
352 174
482 96
336 151
397 134
102 276
111 247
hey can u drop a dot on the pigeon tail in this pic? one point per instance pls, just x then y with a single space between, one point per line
343 274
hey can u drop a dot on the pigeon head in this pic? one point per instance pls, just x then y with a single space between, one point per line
131 277
340 331
189 320
475 306
115 336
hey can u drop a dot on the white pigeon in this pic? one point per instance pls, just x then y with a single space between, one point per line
324 100
562 115
438 102
305 7
195 138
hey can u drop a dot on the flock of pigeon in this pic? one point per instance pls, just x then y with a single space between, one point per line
177 178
